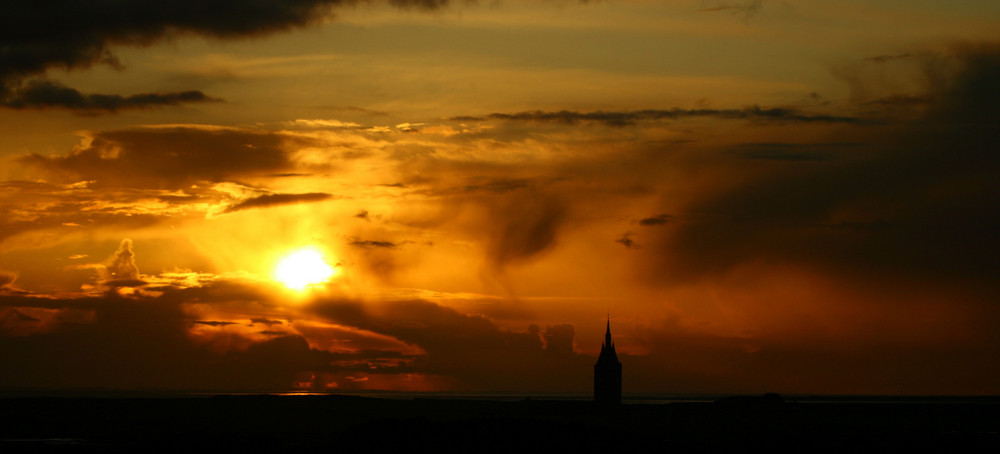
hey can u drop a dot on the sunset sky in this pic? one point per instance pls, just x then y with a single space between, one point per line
795 196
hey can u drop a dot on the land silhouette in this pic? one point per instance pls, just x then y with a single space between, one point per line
120 422
213 423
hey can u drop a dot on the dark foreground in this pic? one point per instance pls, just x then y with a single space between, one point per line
335 423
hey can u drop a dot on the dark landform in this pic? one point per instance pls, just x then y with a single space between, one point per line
338 422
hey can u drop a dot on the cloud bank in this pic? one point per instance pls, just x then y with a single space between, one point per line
36 38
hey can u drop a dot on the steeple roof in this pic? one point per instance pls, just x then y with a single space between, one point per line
608 353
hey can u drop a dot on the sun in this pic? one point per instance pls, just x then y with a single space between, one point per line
303 268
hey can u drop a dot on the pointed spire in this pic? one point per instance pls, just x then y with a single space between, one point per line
608 372
607 334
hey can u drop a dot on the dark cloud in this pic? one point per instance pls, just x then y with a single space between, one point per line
170 157
559 340
656 220
523 225
269 200
472 349
490 185
140 343
685 362
969 98
213 323
7 279
356 109
917 202
357 242
626 240
746 9
499 185
363 214
265 321
65 34
900 101
518 218
420 4
755 113
289 175
895 57
377 361
41 94
25 318
779 151
379 257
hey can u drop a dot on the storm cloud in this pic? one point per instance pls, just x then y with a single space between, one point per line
919 200
36 37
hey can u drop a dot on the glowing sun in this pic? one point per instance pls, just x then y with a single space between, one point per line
303 268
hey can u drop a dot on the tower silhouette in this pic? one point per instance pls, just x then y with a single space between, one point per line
608 374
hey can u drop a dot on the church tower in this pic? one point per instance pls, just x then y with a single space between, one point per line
608 374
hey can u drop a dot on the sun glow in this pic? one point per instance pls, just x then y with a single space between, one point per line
303 268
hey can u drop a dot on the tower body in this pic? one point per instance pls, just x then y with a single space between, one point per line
608 374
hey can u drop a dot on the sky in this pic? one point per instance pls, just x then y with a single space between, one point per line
791 196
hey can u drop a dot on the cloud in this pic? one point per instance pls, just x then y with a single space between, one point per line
626 240
170 157
681 360
121 267
610 118
559 339
895 57
372 244
142 342
41 94
269 200
32 211
902 101
469 348
265 321
35 38
656 220
7 279
523 225
791 152
500 185
916 202
25 318
363 214
746 9
213 323
419 4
